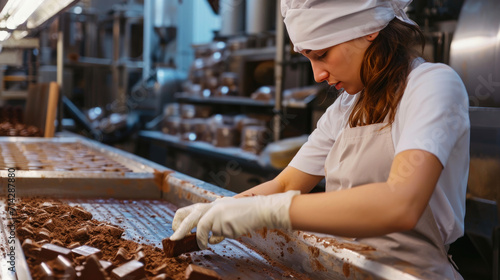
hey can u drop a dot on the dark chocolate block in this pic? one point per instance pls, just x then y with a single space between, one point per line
176 248
24 232
46 272
107 266
122 255
86 251
116 232
81 213
62 268
50 251
132 270
195 272
92 269
49 224
31 249
140 256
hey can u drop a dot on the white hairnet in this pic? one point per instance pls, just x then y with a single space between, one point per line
319 24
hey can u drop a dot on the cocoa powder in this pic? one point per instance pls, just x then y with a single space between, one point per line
70 227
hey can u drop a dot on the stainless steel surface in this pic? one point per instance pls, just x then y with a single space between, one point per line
278 72
259 16
282 254
232 13
140 181
475 51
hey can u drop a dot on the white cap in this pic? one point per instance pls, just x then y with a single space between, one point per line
319 24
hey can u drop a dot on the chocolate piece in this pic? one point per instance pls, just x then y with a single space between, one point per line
140 256
49 224
161 269
176 248
139 248
31 249
45 272
49 207
43 234
86 251
107 266
196 272
162 276
62 268
121 255
51 251
57 242
24 232
131 270
81 234
116 232
74 245
78 212
92 269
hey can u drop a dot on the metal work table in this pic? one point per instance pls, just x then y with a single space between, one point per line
151 188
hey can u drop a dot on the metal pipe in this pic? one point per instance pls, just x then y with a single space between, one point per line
148 30
60 70
278 71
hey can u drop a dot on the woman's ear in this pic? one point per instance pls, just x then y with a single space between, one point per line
371 37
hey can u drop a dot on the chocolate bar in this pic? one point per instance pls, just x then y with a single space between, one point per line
51 251
176 248
196 272
132 270
86 251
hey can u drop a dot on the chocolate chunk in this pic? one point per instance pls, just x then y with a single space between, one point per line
42 216
162 276
161 269
92 269
62 268
196 272
43 234
77 212
86 251
176 248
139 248
140 256
81 234
57 242
116 232
121 255
131 270
49 207
107 266
49 224
31 249
46 272
74 245
24 232
51 251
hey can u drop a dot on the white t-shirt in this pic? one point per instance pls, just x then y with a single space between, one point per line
433 115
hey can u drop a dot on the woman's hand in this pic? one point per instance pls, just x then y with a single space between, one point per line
233 217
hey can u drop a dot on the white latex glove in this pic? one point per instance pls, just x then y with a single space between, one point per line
234 217
187 218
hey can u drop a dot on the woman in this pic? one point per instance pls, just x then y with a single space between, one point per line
393 148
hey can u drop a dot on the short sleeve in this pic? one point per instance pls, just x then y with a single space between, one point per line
433 113
312 155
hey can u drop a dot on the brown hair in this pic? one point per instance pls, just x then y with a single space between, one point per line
384 71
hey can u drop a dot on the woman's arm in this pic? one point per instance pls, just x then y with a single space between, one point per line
289 179
373 209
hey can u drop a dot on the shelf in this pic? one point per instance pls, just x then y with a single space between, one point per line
242 101
14 94
206 149
225 100
104 62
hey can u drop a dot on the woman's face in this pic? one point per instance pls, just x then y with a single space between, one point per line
340 65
